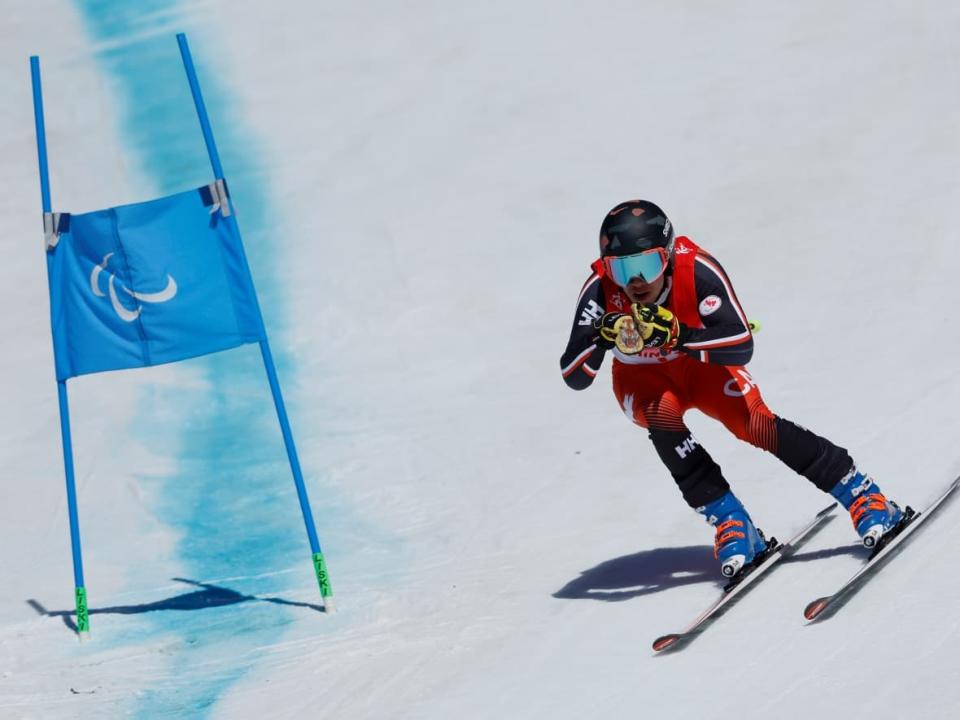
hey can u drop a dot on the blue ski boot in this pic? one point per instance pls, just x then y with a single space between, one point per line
737 541
872 514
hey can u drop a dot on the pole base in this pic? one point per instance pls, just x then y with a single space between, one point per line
83 614
323 577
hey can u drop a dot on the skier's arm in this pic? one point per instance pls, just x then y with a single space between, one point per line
725 338
582 358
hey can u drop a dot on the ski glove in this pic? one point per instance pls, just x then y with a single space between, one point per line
620 330
658 327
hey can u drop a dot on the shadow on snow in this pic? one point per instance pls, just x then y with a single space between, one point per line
208 596
652 571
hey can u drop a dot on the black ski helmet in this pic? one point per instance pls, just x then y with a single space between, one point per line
634 226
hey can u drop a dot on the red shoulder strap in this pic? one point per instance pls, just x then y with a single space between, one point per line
683 296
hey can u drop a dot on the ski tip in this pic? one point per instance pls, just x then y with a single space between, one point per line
815 608
665 641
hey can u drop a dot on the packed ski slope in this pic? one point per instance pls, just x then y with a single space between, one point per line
420 186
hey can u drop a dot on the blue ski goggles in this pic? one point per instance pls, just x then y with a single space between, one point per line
646 266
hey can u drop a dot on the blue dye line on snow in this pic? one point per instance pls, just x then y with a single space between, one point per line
232 497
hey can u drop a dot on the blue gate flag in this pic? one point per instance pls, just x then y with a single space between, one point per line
149 283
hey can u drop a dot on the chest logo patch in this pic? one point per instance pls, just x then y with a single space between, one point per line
710 304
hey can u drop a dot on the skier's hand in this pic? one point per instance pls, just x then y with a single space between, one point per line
658 327
619 330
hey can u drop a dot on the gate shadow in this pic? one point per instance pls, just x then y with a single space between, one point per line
208 596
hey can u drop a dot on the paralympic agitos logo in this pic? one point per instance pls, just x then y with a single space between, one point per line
123 312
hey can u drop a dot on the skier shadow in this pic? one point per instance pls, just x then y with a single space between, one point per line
854 549
208 596
652 571
644 573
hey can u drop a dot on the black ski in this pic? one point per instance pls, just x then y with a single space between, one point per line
889 545
775 553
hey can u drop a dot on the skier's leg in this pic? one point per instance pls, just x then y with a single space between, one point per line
737 540
696 474
731 395
647 398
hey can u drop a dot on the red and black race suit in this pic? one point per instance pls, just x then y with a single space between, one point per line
706 371
717 330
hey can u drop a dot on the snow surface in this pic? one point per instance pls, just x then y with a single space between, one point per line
420 185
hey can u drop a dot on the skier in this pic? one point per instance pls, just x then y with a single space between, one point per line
680 340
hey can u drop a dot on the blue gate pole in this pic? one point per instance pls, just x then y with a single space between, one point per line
319 563
83 617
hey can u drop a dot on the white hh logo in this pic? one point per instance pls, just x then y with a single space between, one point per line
617 301
733 389
686 447
590 313
124 313
683 250
710 304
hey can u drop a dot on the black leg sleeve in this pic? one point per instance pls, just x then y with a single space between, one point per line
814 457
695 472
